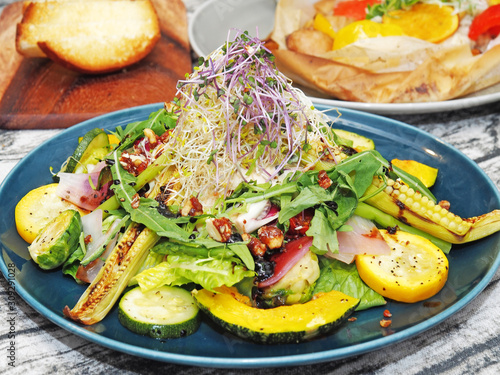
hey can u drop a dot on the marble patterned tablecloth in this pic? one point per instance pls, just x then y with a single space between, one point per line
466 343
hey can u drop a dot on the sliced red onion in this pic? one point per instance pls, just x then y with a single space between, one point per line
258 214
364 238
96 168
93 226
76 188
89 272
345 258
294 251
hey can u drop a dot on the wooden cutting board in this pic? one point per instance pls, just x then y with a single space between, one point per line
36 93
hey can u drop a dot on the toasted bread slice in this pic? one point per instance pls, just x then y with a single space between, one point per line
93 36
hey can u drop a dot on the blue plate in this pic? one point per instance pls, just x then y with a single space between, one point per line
471 266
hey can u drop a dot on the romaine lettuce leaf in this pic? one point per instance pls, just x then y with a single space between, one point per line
181 269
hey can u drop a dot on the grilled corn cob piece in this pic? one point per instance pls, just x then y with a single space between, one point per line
121 265
409 206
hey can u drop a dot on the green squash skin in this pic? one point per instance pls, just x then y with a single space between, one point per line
57 251
92 140
359 141
157 331
161 332
275 338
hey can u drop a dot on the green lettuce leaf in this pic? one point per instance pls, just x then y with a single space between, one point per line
324 237
146 213
336 275
207 248
180 269
158 121
70 267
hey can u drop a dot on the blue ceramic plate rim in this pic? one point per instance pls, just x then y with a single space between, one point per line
253 362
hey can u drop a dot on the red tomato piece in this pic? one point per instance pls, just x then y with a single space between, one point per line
299 224
486 22
354 8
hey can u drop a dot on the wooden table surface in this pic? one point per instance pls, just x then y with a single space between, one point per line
466 343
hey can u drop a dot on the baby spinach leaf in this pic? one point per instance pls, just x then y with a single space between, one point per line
344 278
324 237
361 168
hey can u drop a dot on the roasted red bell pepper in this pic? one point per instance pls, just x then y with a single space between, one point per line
354 8
486 22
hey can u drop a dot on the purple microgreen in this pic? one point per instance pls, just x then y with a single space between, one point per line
259 121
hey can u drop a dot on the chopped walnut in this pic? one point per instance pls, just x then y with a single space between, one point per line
323 180
219 229
151 136
136 200
255 246
271 236
192 207
165 136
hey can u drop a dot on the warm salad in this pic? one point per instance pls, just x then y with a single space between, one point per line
240 202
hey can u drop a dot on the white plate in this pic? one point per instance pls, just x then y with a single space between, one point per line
211 22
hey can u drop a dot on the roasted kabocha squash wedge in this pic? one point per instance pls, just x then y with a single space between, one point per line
121 265
280 325
409 206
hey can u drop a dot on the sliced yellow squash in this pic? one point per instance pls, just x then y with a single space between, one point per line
423 172
37 208
415 270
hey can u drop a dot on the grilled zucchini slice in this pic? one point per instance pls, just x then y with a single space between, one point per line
93 147
163 313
